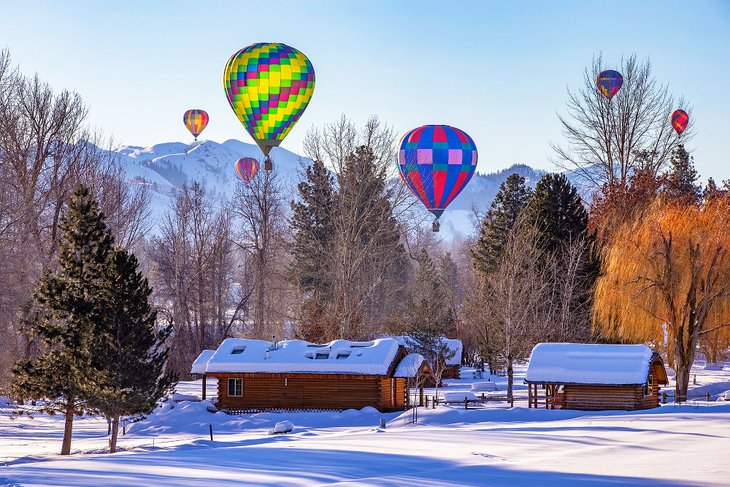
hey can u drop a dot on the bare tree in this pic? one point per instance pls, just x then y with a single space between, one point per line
367 259
608 140
193 276
262 236
516 317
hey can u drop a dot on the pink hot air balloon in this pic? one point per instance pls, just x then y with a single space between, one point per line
246 168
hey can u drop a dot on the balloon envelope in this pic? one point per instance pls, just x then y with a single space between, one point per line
195 121
246 168
680 119
609 82
268 85
436 162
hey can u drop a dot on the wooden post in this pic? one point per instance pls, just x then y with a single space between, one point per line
421 398
466 403
203 387
707 397
529 396
210 427
664 397
124 426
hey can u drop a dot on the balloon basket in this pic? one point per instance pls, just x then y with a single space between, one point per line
435 226
268 165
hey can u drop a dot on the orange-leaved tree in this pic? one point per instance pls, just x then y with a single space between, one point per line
670 266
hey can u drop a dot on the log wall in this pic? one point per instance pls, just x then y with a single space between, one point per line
311 391
591 397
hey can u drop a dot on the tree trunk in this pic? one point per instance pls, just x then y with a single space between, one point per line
510 379
115 434
68 427
683 365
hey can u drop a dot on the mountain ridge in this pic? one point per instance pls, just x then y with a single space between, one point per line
167 166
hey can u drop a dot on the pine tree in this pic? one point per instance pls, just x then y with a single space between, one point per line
501 217
63 317
133 353
680 182
313 240
561 222
557 211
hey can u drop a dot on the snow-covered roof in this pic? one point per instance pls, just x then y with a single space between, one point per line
200 362
408 367
454 344
580 363
299 356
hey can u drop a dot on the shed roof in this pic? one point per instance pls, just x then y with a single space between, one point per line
299 356
409 366
580 363
454 345
200 362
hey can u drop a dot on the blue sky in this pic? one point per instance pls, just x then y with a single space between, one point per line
498 70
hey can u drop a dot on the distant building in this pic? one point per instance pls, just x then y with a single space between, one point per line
295 374
595 377
452 368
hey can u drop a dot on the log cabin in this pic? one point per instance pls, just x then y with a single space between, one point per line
256 375
595 377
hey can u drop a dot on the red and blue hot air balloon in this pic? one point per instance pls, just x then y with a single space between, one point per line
436 162
246 168
680 119
609 82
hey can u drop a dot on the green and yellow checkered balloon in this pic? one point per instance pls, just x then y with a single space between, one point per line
268 86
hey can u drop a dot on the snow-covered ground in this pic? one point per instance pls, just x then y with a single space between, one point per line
671 445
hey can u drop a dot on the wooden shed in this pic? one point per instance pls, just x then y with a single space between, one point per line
452 365
594 377
298 375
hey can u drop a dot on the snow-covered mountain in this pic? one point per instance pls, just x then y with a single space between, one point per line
165 167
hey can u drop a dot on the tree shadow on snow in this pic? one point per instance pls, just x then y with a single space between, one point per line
286 465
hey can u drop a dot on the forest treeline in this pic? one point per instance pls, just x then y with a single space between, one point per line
348 256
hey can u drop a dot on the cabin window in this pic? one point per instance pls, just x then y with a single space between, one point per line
647 386
322 355
343 355
238 350
235 387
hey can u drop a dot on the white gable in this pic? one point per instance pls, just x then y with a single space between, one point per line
299 356
579 363
200 362
408 367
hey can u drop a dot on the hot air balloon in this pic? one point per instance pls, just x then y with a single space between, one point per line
609 82
268 85
680 119
195 121
436 162
246 168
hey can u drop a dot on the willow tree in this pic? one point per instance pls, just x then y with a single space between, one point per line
669 267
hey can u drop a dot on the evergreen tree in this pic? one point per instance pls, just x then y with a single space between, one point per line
501 217
313 242
561 222
557 212
680 182
133 353
63 317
